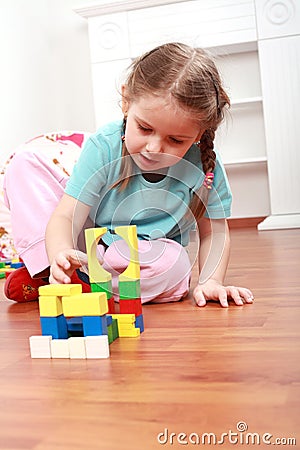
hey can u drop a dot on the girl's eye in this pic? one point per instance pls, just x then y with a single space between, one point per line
143 128
176 141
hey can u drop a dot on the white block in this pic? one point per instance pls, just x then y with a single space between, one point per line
77 347
60 348
40 346
97 347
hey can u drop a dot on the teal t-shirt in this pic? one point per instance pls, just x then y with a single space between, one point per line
157 209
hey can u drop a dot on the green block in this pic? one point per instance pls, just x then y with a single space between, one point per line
2 265
2 275
129 289
105 286
115 328
110 334
113 331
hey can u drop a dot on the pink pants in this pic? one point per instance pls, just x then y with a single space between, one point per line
33 186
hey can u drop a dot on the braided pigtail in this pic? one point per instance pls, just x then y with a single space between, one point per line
208 159
126 169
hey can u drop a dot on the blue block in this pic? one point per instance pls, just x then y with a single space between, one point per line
75 324
94 325
54 326
139 322
109 320
16 265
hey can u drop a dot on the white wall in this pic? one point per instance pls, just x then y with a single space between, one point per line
45 76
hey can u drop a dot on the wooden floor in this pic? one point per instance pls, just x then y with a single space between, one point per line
192 371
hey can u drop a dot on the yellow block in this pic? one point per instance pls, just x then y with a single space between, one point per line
124 318
89 304
50 306
129 234
130 333
96 272
60 290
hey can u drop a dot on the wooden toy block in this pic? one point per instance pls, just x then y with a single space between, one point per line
7 269
139 322
60 348
134 332
129 289
115 329
60 290
104 286
131 307
2 264
94 325
2 275
124 318
50 306
108 319
129 234
54 326
77 347
111 305
88 304
97 347
96 272
74 324
110 334
16 265
40 346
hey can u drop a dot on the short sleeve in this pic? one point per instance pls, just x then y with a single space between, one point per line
89 173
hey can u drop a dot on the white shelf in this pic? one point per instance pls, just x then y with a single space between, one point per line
236 162
246 101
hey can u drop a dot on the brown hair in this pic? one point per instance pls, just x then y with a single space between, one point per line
190 76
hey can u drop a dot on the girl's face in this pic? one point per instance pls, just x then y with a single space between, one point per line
158 133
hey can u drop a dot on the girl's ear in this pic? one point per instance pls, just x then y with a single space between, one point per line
199 135
125 102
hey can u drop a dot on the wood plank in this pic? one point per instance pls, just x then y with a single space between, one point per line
193 370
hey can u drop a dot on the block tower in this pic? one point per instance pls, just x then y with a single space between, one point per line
65 310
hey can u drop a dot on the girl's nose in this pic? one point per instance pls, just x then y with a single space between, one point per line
154 146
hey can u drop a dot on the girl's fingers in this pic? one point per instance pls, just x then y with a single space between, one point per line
234 293
200 299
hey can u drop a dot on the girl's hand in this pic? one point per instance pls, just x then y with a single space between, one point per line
64 264
213 290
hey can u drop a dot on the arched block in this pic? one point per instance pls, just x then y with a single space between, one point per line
96 272
129 234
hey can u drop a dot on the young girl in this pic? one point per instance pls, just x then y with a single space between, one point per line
157 169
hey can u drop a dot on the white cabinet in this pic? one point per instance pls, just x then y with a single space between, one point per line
256 45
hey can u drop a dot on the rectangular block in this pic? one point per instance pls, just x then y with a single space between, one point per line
97 347
89 304
77 347
103 286
40 346
50 306
60 348
131 306
130 289
111 305
94 325
124 318
139 323
108 319
75 324
129 333
54 326
61 290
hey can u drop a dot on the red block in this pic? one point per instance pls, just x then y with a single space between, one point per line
133 306
111 306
